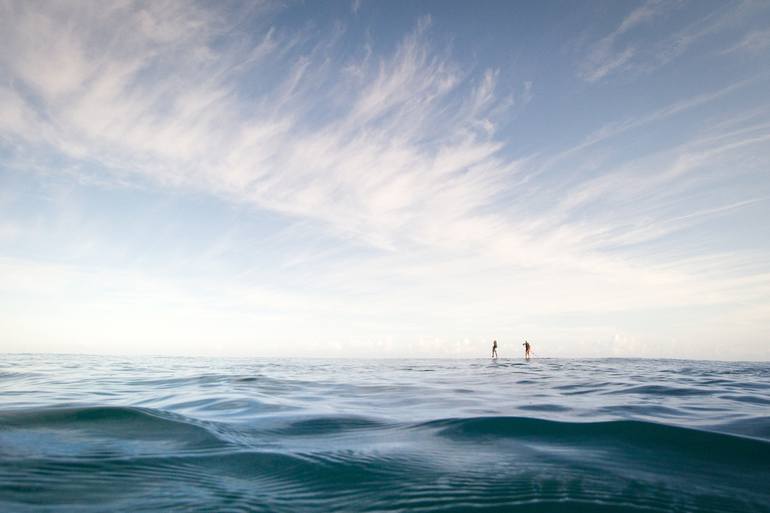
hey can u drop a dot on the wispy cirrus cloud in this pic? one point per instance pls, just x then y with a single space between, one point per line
629 49
754 41
167 108
605 57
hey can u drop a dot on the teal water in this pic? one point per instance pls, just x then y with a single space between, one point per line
88 433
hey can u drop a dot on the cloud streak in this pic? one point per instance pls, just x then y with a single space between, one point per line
628 50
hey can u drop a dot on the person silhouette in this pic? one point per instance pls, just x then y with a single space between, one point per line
527 350
494 349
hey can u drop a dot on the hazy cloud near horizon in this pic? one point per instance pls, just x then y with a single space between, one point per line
385 179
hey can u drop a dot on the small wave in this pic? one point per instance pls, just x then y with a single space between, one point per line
661 390
644 410
547 407
755 427
89 431
744 398
715 446
326 425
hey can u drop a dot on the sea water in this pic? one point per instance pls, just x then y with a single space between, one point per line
94 433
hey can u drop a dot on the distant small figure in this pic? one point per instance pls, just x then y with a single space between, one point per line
527 350
494 349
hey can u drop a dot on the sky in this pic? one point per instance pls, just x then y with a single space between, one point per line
385 179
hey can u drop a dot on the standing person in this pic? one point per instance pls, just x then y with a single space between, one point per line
494 349
527 350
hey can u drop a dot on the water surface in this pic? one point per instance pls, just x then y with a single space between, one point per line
88 433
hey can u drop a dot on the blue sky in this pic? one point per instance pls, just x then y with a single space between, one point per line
385 178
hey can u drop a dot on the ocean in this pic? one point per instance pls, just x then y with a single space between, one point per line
95 433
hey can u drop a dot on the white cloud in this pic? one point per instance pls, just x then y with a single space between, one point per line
754 42
644 40
604 57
